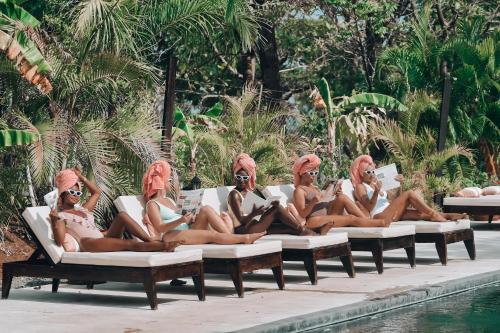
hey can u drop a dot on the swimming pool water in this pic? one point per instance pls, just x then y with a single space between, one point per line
477 310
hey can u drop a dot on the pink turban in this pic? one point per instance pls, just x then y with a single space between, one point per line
65 180
245 162
360 164
304 164
155 178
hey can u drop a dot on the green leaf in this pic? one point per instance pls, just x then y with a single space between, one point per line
12 137
380 100
215 111
324 90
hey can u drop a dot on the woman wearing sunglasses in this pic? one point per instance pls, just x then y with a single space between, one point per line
274 219
74 227
188 229
367 189
322 214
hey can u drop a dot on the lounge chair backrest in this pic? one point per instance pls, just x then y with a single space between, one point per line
37 219
348 189
284 191
216 198
133 205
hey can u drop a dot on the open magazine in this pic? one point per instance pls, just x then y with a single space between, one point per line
386 175
189 202
252 199
51 198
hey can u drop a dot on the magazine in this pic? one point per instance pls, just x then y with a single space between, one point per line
189 202
252 199
51 198
328 193
387 176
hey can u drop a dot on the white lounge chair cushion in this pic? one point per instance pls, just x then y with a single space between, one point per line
38 220
376 232
216 198
426 227
307 242
487 200
234 251
133 205
131 259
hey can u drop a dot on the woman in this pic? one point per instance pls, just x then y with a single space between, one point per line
274 219
188 229
367 189
320 214
74 227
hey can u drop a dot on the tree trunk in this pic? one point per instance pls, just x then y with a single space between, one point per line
491 166
31 188
249 67
269 61
330 138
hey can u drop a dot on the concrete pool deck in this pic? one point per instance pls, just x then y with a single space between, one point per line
120 307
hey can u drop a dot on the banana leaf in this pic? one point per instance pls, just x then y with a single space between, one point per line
324 90
380 100
12 137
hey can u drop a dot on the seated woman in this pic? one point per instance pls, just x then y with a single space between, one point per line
322 216
188 229
376 203
274 219
74 227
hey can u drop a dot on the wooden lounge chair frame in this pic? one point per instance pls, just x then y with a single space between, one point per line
442 239
473 210
377 246
310 256
41 265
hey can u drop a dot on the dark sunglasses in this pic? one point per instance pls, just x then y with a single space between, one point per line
312 173
370 172
242 178
75 193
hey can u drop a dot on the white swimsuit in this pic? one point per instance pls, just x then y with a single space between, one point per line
382 201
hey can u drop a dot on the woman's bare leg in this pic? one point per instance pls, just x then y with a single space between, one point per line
341 202
123 222
116 244
193 237
227 221
208 217
263 223
344 221
399 206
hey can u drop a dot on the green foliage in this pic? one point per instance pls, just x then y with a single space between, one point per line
12 137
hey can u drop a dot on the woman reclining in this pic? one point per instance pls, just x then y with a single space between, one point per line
74 227
377 204
322 216
274 219
188 229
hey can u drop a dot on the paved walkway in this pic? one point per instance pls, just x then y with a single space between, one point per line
119 307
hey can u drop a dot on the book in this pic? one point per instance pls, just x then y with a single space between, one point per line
387 176
252 199
189 202
51 198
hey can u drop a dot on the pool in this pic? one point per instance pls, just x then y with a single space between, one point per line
477 310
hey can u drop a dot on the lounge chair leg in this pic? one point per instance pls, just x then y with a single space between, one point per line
278 275
150 288
6 282
490 218
410 253
311 268
199 284
237 277
470 245
378 256
55 285
348 264
90 285
442 250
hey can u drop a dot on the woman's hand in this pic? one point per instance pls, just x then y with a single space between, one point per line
377 186
54 217
399 178
78 172
338 188
256 211
187 218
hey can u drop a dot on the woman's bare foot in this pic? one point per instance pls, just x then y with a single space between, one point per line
170 246
455 216
251 238
307 232
382 222
438 217
325 228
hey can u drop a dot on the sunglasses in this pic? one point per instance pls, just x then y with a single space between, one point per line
242 178
370 172
75 193
312 173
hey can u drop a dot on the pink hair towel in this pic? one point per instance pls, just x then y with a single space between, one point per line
65 180
245 162
360 164
304 164
155 178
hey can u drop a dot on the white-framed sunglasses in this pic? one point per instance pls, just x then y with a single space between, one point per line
242 178
312 173
75 193
370 172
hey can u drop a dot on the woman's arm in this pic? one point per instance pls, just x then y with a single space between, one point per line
362 196
95 192
234 201
58 227
299 200
153 212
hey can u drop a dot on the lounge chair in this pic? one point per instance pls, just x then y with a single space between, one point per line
483 205
51 261
439 233
307 249
222 259
376 240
